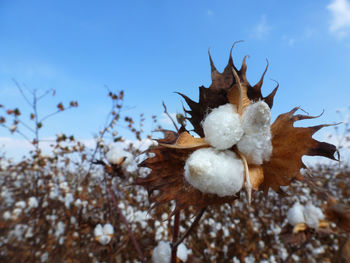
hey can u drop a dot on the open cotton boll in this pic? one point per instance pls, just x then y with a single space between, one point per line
257 147
215 172
103 234
116 154
222 127
295 214
256 142
312 215
183 252
162 253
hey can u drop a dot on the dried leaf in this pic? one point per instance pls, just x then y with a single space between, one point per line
187 141
289 145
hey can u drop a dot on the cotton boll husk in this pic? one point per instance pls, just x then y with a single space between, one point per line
162 253
312 215
295 214
215 172
256 144
222 127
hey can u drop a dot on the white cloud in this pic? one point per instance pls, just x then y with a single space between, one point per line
165 120
262 29
340 22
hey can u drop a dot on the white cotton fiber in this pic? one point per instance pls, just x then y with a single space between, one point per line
295 214
183 252
256 141
312 215
162 253
222 127
116 154
215 172
108 229
104 234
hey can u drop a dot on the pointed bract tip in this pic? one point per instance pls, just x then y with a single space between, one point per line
212 66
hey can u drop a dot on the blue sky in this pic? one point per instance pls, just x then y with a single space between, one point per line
150 49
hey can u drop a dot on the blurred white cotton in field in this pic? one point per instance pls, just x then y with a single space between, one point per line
116 154
183 252
309 214
222 127
256 141
162 253
295 214
103 234
33 202
312 215
215 172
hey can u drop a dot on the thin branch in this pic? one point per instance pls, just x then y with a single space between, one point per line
125 221
22 92
172 120
54 113
26 126
45 94
193 225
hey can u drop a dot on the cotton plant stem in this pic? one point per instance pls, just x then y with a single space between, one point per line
175 235
126 223
193 225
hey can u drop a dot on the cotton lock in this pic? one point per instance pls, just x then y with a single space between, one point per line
222 127
215 172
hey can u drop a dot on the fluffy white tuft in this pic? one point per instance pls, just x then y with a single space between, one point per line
104 234
108 229
256 141
295 214
312 215
183 252
222 127
162 253
215 172
116 154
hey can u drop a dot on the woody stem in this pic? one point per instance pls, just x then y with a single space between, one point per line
175 235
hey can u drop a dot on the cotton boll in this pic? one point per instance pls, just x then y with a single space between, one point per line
256 142
104 240
256 117
183 252
295 214
257 147
98 231
215 172
162 253
312 215
33 202
116 154
108 229
222 127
